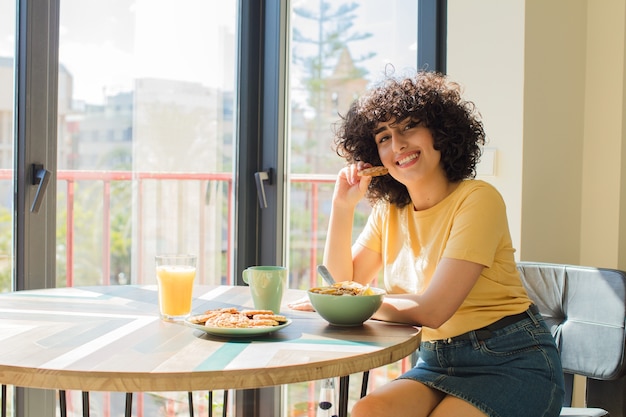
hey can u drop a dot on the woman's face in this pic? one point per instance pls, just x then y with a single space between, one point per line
406 149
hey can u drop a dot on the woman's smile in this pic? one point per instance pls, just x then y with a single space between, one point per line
406 160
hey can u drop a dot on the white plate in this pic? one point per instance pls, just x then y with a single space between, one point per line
238 331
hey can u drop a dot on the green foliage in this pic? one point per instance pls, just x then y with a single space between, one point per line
88 227
334 35
6 245
317 54
121 229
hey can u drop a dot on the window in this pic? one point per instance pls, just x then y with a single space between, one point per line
161 112
337 49
145 138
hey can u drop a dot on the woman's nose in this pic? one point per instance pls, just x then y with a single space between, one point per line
398 143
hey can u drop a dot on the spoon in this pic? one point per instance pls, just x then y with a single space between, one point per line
325 273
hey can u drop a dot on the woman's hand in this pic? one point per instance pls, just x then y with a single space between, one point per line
303 304
350 187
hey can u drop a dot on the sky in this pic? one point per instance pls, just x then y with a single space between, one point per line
146 39
106 44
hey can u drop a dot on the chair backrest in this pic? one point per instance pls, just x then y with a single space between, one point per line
585 309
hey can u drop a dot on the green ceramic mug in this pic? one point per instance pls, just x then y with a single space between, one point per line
267 284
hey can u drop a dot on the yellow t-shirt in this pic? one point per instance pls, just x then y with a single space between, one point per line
469 224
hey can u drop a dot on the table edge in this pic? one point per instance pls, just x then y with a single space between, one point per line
204 380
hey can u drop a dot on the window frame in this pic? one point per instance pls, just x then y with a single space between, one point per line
262 84
35 136
262 79
35 132
432 30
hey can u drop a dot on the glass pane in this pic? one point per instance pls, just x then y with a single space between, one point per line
145 153
338 48
145 149
7 54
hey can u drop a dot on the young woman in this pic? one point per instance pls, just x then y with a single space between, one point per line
443 243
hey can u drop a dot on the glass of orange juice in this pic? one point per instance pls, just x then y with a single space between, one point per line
175 276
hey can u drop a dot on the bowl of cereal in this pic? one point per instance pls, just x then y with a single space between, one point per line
346 303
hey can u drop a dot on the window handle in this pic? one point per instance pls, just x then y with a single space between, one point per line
259 177
40 176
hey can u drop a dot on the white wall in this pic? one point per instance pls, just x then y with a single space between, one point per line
603 238
486 55
549 79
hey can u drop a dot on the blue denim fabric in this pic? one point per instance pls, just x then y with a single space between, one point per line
515 373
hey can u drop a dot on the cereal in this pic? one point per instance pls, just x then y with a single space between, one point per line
373 171
232 318
344 288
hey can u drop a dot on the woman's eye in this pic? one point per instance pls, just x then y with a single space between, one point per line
382 139
410 124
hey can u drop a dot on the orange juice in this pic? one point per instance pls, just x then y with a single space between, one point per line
175 290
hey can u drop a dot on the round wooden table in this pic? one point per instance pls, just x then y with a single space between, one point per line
110 338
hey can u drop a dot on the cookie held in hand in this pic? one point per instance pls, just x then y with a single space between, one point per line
373 171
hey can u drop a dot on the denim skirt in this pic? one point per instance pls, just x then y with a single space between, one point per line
516 372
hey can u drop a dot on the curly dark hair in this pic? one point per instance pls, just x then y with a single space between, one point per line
433 100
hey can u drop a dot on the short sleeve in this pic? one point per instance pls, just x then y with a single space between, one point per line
479 227
371 237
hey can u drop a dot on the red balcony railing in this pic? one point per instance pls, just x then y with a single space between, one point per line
67 179
71 177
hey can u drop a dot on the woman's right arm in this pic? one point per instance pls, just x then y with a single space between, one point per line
338 257
350 188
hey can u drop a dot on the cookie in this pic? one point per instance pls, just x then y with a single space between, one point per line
373 171
252 313
228 320
232 318
274 317
200 318
263 323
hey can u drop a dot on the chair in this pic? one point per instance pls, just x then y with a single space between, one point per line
585 308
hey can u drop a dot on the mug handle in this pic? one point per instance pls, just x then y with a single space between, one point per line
244 275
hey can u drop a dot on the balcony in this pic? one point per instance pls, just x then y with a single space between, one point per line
80 193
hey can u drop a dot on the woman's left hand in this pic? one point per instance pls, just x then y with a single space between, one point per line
303 304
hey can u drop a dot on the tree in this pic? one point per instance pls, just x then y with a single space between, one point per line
330 77
334 34
6 242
